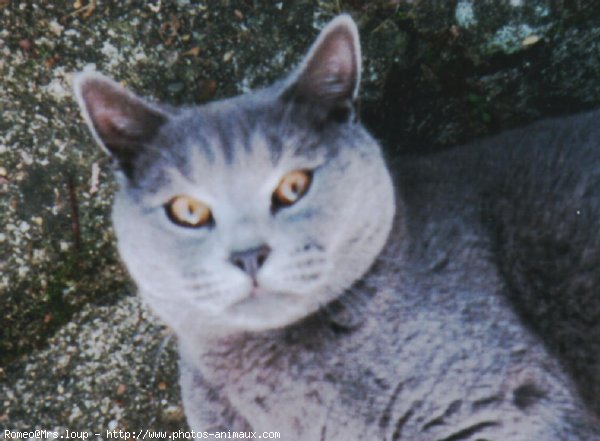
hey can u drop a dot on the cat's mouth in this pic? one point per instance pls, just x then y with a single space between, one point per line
258 294
256 291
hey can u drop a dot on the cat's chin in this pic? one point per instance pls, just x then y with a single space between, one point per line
262 310
258 311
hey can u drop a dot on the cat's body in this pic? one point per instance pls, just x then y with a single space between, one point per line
310 300
427 346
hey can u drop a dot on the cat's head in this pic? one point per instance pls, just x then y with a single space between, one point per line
249 213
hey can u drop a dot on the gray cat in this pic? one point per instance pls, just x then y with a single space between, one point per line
314 297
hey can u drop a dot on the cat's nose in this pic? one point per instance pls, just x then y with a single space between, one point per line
250 260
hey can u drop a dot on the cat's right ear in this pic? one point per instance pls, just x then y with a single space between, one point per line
328 78
120 122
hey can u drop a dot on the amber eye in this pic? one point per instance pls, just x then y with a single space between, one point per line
188 212
291 188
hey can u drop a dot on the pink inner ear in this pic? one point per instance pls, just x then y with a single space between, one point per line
342 59
332 70
104 109
110 123
117 117
122 122
335 55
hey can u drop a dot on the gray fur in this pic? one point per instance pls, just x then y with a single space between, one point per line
454 309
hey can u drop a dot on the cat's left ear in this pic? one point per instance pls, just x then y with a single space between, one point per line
328 78
121 122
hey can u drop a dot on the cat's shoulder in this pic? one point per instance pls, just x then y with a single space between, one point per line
548 145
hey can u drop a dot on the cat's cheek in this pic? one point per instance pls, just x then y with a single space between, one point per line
209 311
273 282
222 286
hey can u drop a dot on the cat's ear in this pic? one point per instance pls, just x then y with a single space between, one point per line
120 122
329 76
